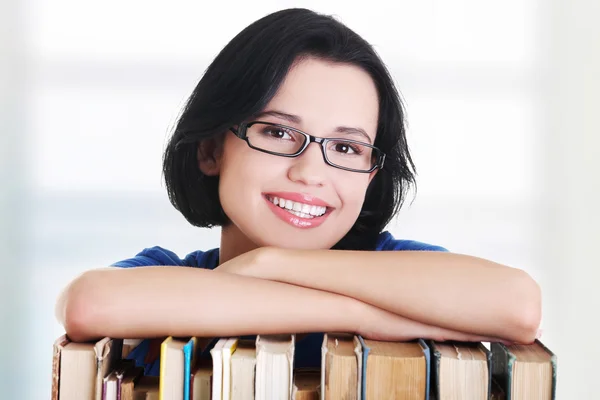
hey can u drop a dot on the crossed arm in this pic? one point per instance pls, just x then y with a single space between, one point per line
453 291
381 295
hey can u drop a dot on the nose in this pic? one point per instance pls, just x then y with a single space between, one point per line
309 167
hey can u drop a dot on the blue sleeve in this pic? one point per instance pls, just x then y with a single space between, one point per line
151 256
386 242
413 245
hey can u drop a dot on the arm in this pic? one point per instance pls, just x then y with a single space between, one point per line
160 301
197 302
453 291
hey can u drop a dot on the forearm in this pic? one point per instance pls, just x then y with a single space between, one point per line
457 292
160 301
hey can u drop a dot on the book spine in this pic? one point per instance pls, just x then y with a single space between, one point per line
323 364
365 352
488 356
426 353
163 368
436 359
502 367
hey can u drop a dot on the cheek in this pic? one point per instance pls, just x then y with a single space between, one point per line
352 190
244 172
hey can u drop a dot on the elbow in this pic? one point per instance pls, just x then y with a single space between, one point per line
76 308
527 308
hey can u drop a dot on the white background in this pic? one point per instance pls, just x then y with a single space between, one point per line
502 102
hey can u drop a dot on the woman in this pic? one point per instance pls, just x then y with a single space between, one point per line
293 142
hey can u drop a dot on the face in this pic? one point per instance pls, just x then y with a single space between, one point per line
322 97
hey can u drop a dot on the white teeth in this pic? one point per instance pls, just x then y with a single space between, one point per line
300 209
302 215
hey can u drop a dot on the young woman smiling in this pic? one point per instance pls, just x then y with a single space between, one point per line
293 142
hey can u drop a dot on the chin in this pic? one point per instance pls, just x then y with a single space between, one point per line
305 240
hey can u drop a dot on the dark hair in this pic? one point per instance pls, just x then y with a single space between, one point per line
241 81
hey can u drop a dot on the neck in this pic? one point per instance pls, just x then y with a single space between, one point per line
233 243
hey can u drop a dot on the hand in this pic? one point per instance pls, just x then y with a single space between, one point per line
378 324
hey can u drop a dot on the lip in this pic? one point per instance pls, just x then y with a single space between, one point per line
294 220
300 198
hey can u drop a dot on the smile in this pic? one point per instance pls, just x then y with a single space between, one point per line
298 210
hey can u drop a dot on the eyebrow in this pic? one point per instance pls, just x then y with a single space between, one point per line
297 120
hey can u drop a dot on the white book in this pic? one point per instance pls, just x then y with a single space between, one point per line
217 359
274 366
110 387
228 349
243 367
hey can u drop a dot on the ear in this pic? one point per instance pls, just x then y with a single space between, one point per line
372 174
209 156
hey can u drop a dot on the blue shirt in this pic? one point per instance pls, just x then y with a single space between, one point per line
308 348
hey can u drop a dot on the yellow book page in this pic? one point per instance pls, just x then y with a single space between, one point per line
163 366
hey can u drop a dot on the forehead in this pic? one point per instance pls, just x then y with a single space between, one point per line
326 95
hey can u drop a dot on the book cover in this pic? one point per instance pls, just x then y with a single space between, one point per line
503 361
59 344
228 349
365 353
189 360
163 366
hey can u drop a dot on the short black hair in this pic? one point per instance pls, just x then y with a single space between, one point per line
241 81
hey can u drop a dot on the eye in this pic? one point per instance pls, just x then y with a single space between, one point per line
278 133
346 148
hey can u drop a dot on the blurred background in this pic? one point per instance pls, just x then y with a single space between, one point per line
501 98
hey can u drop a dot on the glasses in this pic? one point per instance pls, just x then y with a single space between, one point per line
284 141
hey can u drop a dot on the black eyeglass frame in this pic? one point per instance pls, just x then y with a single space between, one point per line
242 129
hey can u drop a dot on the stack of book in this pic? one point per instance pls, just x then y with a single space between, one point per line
351 368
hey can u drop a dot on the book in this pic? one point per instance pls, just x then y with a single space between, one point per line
201 381
395 370
274 366
243 366
217 375
307 384
130 379
341 367
57 347
175 367
79 369
228 348
111 389
147 388
189 360
525 371
351 367
460 371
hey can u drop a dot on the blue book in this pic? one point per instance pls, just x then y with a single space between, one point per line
372 350
189 359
